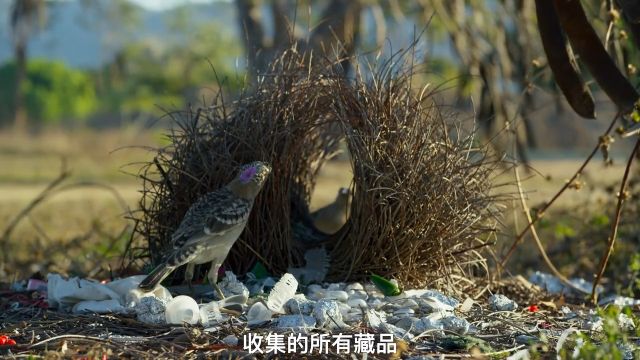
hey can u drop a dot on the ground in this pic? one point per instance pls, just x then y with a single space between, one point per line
82 231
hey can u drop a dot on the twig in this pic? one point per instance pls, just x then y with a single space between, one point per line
535 236
510 350
67 336
616 223
546 206
4 239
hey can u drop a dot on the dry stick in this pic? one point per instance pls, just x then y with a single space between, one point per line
4 239
616 222
540 214
534 234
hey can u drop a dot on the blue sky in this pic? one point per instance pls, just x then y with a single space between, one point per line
166 4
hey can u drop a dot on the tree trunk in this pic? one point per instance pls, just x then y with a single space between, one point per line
20 115
336 35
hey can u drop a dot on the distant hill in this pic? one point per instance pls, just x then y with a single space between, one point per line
73 34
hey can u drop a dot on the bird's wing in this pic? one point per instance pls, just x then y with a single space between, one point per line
213 214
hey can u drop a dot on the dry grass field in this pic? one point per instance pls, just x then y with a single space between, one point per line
81 229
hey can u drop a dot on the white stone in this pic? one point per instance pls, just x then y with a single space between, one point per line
375 303
344 308
336 286
338 295
500 302
358 294
314 288
354 286
357 303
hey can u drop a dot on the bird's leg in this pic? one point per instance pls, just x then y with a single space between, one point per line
213 278
188 276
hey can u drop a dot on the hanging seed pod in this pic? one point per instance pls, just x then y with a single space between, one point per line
562 62
587 45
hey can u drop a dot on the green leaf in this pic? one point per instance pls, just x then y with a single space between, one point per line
387 287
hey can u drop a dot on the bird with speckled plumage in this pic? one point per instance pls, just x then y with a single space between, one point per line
211 226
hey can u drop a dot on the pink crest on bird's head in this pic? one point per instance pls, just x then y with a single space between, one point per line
247 174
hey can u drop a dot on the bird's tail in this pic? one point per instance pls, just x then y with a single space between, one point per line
155 277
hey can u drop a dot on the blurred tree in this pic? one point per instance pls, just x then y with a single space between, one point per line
51 92
26 18
335 35
177 71
119 21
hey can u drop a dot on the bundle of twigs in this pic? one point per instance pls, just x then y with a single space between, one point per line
421 191
280 122
422 203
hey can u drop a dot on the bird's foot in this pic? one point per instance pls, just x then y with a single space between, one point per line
218 291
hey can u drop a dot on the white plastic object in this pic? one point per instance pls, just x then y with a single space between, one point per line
282 291
210 314
182 309
258 313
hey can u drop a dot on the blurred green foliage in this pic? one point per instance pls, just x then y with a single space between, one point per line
52 92
146 75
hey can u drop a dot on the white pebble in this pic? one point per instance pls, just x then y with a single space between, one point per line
357 303
354 286
314 288
336 295
336 286
358 294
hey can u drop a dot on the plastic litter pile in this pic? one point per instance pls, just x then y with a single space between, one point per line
281 305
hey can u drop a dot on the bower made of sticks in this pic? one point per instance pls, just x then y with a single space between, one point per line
421 206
